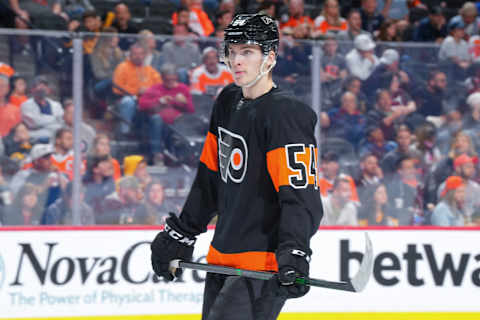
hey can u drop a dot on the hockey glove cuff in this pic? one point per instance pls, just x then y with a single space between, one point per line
174 242
292 263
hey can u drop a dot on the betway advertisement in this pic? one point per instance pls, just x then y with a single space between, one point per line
93 272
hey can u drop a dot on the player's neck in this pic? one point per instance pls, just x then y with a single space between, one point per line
263 85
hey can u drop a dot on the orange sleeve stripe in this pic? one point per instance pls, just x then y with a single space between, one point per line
250 260
280 173
209 156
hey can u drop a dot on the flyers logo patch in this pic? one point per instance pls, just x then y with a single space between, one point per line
232 155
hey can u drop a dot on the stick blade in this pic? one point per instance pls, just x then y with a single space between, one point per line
360 280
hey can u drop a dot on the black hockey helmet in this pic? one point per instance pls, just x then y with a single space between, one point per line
259 29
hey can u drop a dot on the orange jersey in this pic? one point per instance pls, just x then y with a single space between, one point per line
63 163
292 22
326 186
117 171
17 100
321 24
198 22
204 82
10 116
131 78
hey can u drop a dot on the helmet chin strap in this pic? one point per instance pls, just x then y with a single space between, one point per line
261 74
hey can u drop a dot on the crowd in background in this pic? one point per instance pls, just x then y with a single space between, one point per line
400 107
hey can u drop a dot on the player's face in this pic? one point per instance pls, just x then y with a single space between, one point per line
245 61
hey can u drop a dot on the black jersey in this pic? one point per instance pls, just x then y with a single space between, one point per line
258 172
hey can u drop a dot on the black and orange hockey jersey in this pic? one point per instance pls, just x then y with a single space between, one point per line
258 172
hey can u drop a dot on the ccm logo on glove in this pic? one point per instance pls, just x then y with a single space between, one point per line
178 236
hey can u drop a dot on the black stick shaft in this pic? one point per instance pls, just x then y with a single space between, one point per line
344 286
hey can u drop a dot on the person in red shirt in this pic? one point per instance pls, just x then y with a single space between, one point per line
19 92
10 115
164 103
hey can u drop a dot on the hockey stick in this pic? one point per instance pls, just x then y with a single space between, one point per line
356 284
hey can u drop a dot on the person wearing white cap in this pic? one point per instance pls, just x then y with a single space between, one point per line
41 174
361 61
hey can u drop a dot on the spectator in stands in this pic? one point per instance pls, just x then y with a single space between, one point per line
61 211
153 57
425 146
42 175
45 15
91 23
376 209
388 32
101 147
42 115
474 50
329 20
10 114
181 52
155 202
198 22
432 28
18 143
370 174
448 212
354 85
87 133
18 95
62 158
453 123
98 180
25 208
124 24
381 77
454 51
361 61
403 138
329 172
136 166
223 19
334 70
125 205
354 19
130 80
375 142
211 76
468 16
431 99
338 209
403 192
472 83
165 103
464 167
106 56
461 144
296 16
345 122
371 20
400 96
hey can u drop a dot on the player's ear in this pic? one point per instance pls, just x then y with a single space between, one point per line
271 58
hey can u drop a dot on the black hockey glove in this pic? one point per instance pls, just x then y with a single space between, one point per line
292 263
174 242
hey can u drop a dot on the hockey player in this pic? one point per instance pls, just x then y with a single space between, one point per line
257 172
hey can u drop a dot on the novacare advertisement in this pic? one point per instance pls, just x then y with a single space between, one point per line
65 273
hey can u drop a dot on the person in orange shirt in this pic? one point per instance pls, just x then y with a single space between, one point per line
101 147
131 79
329 20
10 115
198 21
330 171
296 17
19 92
62 158
210 77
